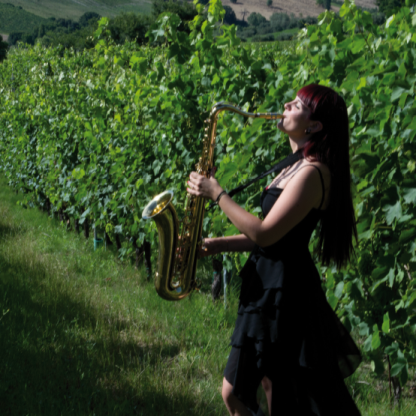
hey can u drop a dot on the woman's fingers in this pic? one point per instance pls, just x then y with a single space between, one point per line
199 185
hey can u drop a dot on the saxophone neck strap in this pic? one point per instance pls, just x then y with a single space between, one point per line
287 161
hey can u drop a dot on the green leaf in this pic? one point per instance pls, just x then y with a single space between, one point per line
339 289
407 235
139 183
333 301
78 173
397 93
375 340
379 272
392 212
391 277
409 195
396 368
226 172
386 323
391 349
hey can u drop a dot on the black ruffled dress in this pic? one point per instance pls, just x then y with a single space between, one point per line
287 331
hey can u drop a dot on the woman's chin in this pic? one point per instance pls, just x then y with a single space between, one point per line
280 126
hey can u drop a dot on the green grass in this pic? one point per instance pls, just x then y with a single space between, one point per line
71 9
292 31
14 19
82 333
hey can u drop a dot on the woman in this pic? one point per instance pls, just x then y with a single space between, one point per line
286 334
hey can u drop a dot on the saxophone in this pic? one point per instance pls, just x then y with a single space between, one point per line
178 249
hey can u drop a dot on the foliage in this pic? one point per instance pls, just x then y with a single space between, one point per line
186 11
15 19
85 19
388 7
269 3
51 28
100 133
129 27
279 22
256 19
78 39
229 18
324 3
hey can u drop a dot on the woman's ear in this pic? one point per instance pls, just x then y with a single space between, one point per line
316 126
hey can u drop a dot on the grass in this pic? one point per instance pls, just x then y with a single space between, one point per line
14 19
73 9
83 333
294 31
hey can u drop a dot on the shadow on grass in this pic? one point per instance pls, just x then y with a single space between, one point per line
60 356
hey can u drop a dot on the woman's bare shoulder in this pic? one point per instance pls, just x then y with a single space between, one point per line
321 166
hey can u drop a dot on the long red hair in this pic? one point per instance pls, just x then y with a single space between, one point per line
331 147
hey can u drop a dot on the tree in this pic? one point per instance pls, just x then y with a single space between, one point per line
230 18
84 20
130 26
256 19
280 21
324 3
183 9
389 7
269 3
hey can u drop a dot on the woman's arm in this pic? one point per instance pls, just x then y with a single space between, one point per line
219 245
300 195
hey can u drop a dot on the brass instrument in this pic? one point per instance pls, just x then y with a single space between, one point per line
178 251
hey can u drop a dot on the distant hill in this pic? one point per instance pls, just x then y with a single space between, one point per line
297 7
74 9
14 19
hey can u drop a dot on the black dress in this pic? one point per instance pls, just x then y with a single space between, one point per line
287 331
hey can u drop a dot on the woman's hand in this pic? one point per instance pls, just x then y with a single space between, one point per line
211 246
199 185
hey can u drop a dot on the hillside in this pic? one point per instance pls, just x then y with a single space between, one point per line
297 7
15 19
73 9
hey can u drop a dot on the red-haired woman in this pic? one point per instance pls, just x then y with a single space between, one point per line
286 333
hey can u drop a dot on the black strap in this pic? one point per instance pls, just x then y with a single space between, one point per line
323 187
287 161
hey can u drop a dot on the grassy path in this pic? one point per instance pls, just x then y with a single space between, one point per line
83 334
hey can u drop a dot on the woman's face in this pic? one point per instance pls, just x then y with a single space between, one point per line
296 118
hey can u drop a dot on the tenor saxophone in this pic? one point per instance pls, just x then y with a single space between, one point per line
178 249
